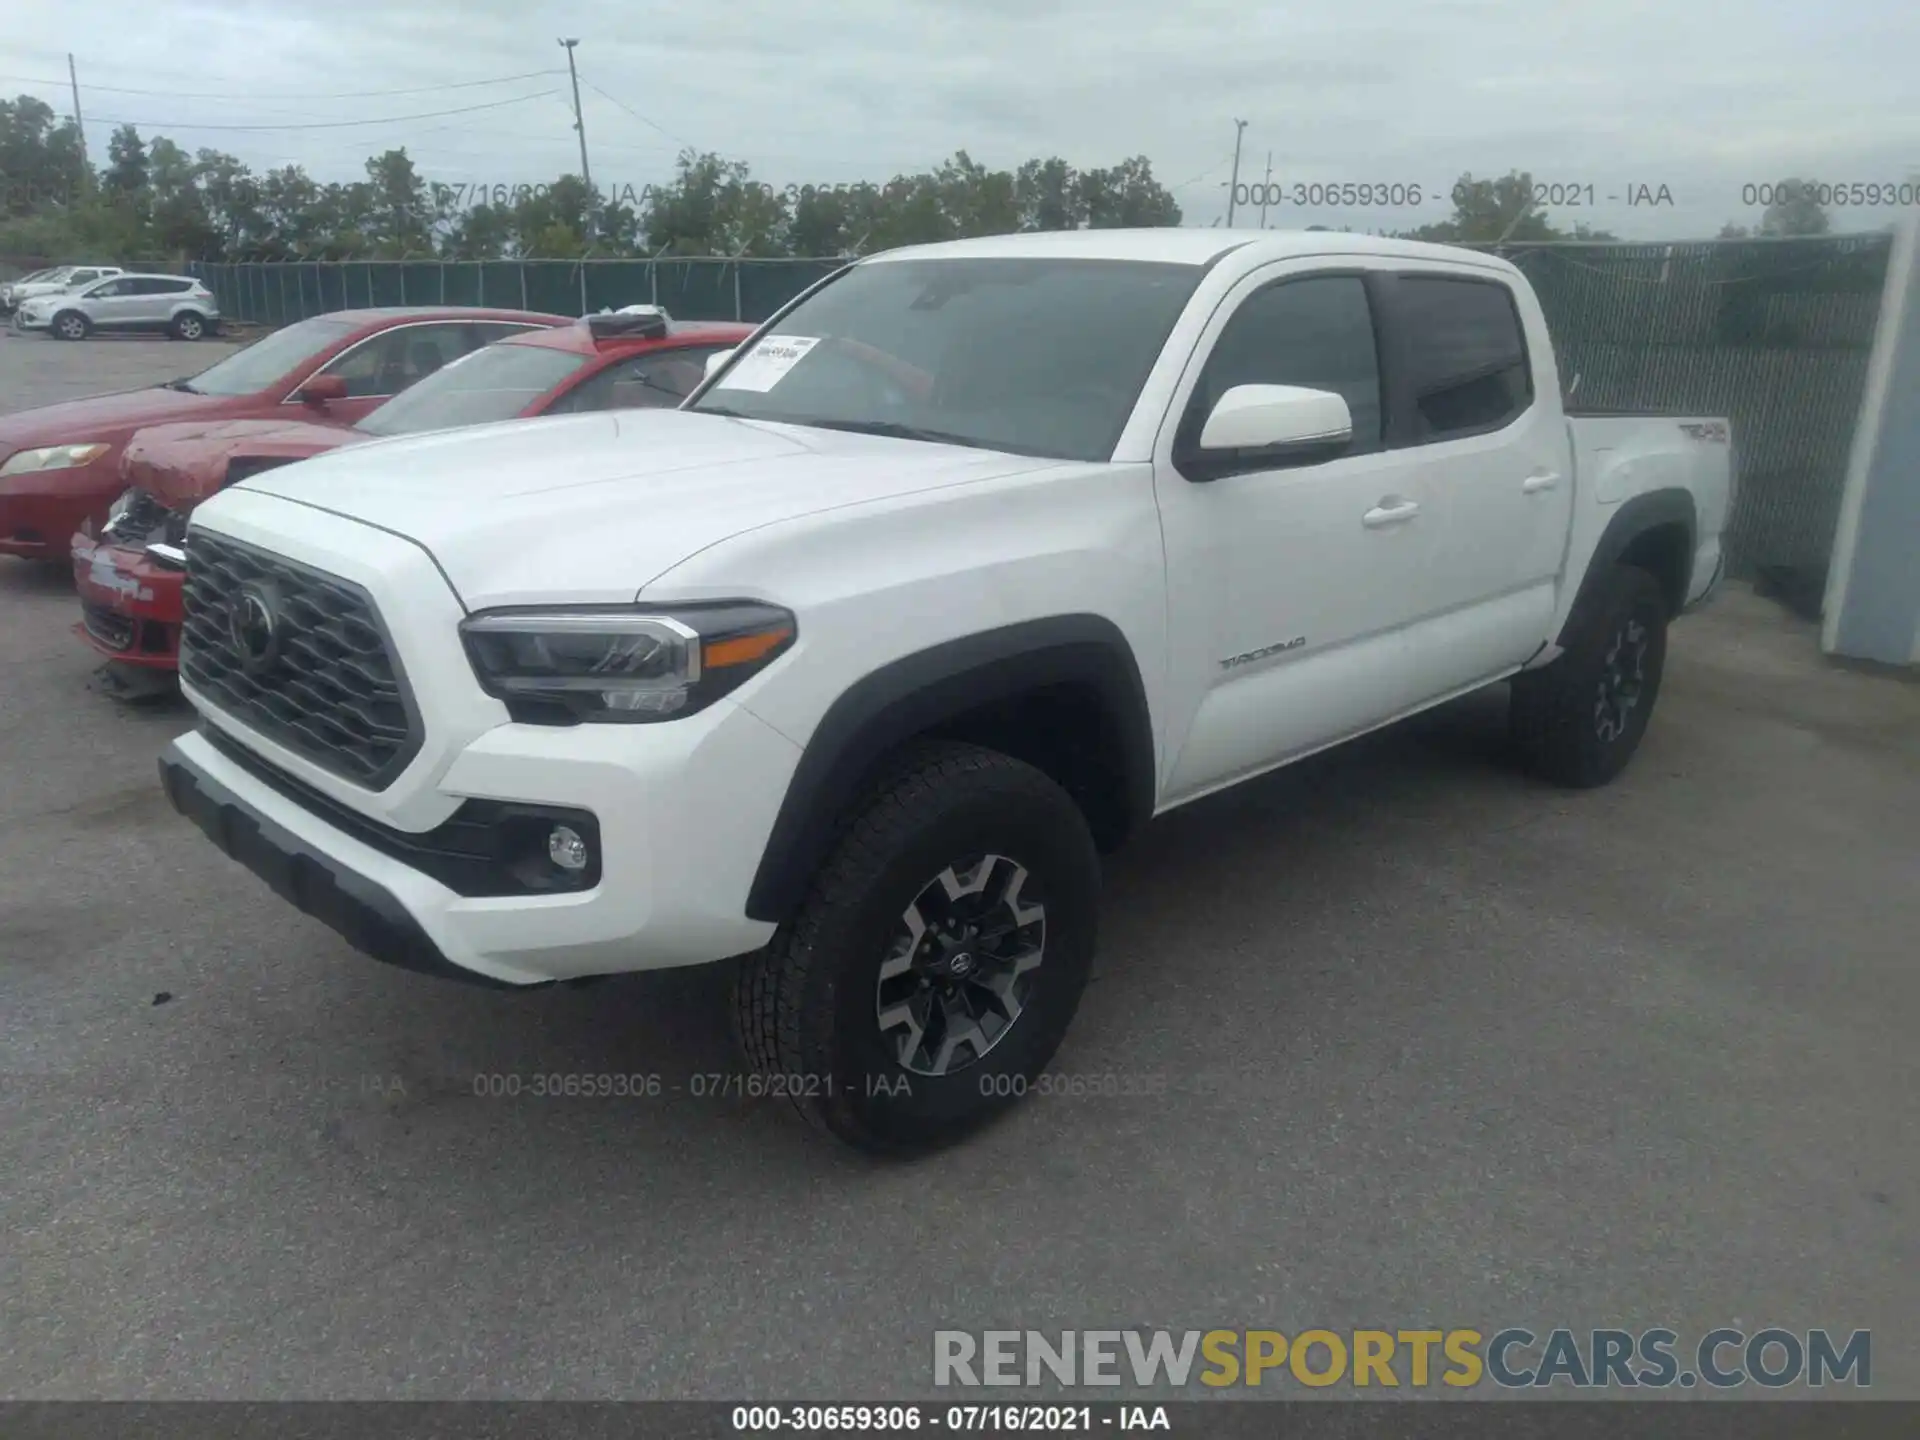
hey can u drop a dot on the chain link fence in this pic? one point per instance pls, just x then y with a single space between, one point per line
1773 334
278 293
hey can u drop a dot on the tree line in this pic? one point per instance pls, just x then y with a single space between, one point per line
153 200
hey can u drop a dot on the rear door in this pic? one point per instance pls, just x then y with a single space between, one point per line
1479 395
164 296
148 301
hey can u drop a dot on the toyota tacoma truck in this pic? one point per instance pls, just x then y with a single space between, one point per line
971 561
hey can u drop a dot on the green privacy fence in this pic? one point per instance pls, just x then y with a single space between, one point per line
1774 334
694 289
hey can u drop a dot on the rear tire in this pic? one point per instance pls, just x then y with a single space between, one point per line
964 890
1579 721
187 326
70 325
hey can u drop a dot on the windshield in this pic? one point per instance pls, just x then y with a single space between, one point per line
495 383
249 371
1034 356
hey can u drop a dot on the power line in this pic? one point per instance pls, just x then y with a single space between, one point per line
280 95
330 124
1213 169
638 116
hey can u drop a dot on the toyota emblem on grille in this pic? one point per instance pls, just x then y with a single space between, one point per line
254 626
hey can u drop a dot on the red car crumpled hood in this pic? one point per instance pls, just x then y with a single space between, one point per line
181 465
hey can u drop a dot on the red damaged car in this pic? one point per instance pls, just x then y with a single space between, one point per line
130 576
60 464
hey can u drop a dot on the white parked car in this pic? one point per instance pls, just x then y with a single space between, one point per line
52 282
973 560
174 304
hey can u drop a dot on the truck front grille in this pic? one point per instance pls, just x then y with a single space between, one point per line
299 656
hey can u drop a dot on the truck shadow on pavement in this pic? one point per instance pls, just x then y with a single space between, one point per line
1251 862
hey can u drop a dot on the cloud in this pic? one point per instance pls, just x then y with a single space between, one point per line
1384 90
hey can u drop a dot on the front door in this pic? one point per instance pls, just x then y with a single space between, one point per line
113 305
1291 590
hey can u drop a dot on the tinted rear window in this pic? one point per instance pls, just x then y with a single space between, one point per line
1467 353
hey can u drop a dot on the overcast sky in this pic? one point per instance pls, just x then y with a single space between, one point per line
1697 96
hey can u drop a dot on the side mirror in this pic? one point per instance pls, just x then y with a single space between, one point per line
1259 427
322 388
716 360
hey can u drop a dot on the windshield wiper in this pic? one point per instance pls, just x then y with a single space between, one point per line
186 385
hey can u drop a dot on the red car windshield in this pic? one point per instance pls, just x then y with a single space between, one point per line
249 371
493 383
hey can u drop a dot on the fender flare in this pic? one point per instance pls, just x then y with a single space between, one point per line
1635 517
911 695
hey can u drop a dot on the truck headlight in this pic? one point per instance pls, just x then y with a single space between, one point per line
624 665
53 457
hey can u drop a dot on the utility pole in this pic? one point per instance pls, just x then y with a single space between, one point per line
1233 185
1266 190
580 125
79 121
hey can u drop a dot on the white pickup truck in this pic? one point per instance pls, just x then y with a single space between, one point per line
970 562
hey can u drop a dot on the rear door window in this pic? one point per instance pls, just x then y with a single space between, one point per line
1466 355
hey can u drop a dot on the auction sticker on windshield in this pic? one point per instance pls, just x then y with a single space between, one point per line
769 363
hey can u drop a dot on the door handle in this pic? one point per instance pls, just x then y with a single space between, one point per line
1390 511
1533 484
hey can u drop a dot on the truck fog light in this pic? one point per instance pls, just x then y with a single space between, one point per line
567 849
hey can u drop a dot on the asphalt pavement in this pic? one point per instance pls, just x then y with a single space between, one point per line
1411 1042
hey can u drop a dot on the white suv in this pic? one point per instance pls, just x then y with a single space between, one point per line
51 282
972 561
176 305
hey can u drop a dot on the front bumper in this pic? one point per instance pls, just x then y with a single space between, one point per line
130 605
369 915
41 510
683 811
20 322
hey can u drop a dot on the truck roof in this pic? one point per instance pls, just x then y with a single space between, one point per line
1177 246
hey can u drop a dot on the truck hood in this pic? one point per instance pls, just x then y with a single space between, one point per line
105 417
590 508
183 463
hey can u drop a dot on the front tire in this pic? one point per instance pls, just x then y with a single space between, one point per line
71 325
1579 721
938 957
